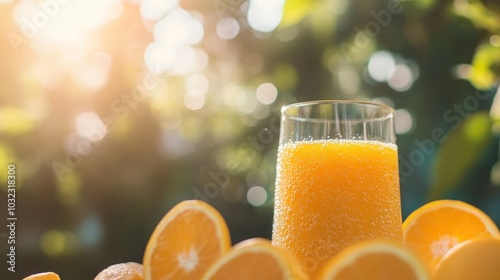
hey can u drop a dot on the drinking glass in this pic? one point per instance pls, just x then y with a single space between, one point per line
337 179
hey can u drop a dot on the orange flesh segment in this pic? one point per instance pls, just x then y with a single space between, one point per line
432 230
256 259
375 260
43 276
473 259
186 242
250 266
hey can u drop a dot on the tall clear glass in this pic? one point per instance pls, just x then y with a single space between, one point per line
337 179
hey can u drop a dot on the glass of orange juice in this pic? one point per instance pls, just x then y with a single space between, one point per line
337 179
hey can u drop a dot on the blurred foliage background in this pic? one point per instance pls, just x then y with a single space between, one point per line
114 111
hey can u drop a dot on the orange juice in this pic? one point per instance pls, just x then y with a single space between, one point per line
334 193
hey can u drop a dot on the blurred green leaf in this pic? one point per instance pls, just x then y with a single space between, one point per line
482 74
478 14
295 11
495 113
15 121
356 53
324 17
239 159
69 188
421 4
460 152
285 77
425 3
7 157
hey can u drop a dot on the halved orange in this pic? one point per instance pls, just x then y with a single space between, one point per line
43 276
256 258
188 239
470 260
375 260
121 271
436 227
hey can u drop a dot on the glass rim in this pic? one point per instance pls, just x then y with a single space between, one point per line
389 111
338 101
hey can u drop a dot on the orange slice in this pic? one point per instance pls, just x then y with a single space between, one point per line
189 238
375 260
471 260
43 276
433 229
121 271
256 258
136 266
